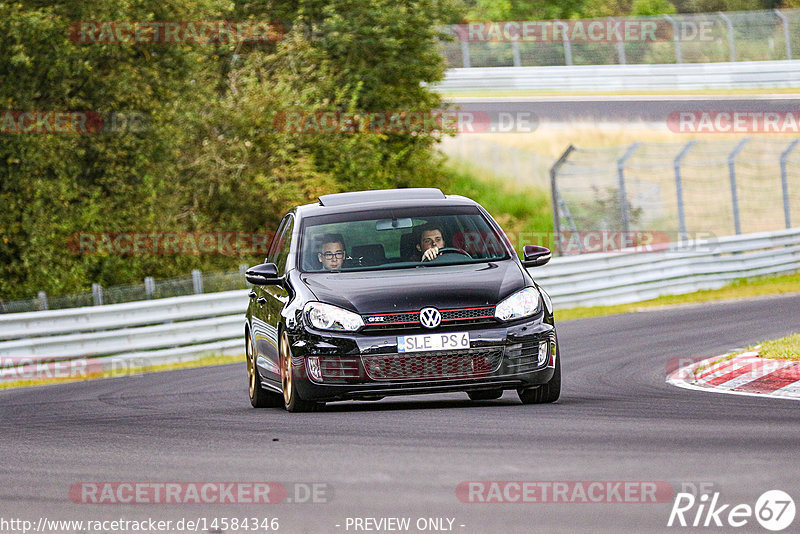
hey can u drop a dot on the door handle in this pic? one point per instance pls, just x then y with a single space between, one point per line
261 301
252 294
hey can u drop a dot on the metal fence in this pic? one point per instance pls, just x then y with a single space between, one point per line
685 38
150 288
711 188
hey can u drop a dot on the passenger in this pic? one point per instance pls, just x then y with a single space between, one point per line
332 252
430 241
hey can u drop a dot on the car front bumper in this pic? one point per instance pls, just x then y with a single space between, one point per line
331 367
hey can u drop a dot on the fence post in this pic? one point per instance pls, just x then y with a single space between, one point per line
554 191
620 43
515 53
465 61
97 294
675 39
623 197
565 41
197 281
731 38
149 287
785 183
42 296
732 174
786 34
683 234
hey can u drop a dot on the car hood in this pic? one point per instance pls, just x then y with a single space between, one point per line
443 287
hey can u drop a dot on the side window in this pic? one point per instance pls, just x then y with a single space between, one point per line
274 245
284 244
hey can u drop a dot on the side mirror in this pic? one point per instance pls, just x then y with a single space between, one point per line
534 256
265 274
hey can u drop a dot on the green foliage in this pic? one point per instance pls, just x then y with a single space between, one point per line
209 158
644 8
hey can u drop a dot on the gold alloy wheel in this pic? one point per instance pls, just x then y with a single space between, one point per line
286 369
251 367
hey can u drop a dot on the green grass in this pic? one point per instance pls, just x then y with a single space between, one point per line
206 361
741 289
785 348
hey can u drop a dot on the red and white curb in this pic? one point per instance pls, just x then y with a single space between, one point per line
743 374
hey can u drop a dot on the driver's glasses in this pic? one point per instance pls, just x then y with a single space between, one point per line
339 254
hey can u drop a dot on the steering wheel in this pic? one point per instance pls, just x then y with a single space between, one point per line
452 250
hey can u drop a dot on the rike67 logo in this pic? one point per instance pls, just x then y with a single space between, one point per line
774 510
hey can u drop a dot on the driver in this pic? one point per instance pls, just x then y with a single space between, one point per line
430 241
332 252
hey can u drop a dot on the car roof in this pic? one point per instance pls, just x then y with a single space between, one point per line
382 199
379 195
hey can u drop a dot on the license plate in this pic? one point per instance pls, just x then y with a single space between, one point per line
429 342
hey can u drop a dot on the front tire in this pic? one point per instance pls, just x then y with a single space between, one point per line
546 392
259 397
291 397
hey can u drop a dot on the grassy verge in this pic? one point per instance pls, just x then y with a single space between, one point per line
785 348
741 289
202 362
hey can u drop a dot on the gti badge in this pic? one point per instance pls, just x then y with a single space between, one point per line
430 317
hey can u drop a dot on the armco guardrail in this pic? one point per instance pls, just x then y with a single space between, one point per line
687 76
631 276
133 334
179 328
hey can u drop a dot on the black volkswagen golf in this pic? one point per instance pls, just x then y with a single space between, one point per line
397 292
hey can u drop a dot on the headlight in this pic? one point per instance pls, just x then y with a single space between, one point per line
521 304
327 317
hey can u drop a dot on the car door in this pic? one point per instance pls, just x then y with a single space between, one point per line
270 302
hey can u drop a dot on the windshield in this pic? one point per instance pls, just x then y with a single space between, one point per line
398 238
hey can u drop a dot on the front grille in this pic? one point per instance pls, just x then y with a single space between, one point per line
474 363
455 316
523 357
335 368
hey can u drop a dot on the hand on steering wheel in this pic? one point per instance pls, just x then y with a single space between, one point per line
434 252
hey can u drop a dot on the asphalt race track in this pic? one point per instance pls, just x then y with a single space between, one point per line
623 108
617 420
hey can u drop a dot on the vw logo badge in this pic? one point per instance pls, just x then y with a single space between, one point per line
430 317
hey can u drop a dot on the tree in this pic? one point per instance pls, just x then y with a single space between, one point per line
209 157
